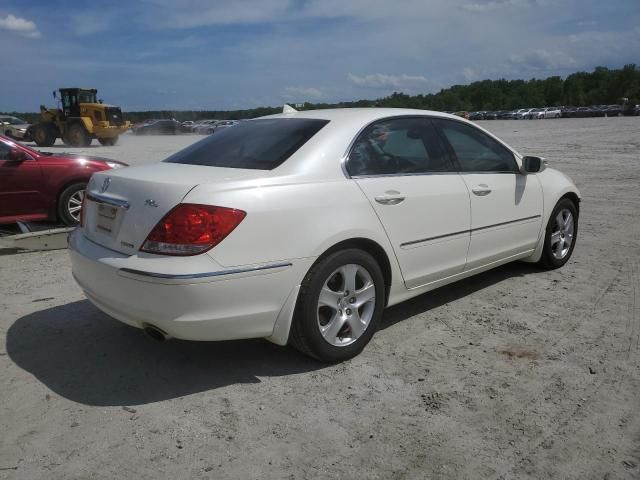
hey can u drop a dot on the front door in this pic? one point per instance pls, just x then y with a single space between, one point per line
422 202
506 205
20 188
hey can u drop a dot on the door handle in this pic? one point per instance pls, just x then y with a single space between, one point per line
481 190
390 197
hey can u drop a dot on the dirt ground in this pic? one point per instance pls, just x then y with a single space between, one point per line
514 374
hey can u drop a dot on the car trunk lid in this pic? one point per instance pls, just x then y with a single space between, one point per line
122 206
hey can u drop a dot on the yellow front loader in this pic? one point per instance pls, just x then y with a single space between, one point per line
81 119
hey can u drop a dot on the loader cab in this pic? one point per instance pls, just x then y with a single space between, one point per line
71 99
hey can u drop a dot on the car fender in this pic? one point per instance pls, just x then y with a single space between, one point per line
555 185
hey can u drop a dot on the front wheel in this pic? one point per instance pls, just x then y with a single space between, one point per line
560 235
70 204
340 303
77 136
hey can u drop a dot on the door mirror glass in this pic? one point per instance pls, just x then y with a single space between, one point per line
16 155
532 164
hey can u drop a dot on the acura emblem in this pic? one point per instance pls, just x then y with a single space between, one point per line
150 202
105 184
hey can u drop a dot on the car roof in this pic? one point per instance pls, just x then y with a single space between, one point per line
359 114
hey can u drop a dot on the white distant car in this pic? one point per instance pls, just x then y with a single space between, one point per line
522 113
551 112
14 127
302 227
205 127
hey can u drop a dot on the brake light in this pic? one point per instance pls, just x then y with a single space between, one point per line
190 229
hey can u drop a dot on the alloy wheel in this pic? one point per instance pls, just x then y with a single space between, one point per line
74 205
562 234
346 305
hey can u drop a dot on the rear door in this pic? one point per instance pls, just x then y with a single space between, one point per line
401 166
506 206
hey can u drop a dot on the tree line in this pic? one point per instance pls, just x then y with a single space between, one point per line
601 86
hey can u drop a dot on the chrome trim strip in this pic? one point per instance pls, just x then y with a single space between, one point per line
506 223
114 202
438 237
191 276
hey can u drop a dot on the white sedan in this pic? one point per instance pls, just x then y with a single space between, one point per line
302 227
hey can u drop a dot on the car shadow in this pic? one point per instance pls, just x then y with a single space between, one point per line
83 355
454 291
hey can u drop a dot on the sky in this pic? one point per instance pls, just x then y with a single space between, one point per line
234 54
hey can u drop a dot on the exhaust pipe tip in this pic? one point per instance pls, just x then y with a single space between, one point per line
155 333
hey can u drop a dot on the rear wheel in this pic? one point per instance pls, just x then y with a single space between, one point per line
70 204
340 303
77 136
561 234
44 135
108 142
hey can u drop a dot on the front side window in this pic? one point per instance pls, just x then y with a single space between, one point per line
398 146
4 151
258 144
476 151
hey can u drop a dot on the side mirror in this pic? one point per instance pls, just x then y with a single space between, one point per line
532 164
16 155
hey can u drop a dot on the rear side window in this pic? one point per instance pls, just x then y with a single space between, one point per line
398 146
476 151
256 144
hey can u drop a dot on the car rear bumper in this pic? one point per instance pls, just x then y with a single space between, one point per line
218 304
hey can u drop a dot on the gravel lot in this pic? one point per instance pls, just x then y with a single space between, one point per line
516 373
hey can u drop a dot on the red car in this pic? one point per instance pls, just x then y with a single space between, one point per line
44 186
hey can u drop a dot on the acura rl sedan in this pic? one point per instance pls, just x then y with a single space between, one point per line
302 227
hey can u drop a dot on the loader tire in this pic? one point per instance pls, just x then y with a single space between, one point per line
77 136
108 142
44 135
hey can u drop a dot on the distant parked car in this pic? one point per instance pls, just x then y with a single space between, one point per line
14 127
583 112
567 112
551 112
160 127
188 124
205 127
521 114
613 110
38 185
225 124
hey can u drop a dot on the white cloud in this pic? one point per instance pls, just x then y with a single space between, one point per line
303 93
489 5
543 60
469 74
20 25
380 80
90 24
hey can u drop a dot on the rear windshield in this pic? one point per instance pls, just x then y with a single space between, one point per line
256 144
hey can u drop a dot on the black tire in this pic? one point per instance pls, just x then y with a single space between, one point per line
550 257
305 334
43 135
77 136
108 142
66 216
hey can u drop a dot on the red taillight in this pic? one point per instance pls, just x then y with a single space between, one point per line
190 229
